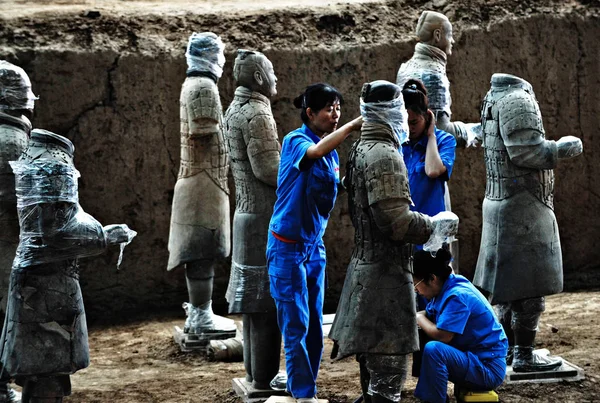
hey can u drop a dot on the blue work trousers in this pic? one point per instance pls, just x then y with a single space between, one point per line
442 363
297 275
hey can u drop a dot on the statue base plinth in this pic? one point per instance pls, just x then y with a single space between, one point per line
566 372
197 342
249 394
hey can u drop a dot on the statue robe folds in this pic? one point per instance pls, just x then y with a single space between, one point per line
520 255
200 223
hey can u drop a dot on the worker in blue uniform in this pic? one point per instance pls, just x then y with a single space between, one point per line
428 154
468 344
306 191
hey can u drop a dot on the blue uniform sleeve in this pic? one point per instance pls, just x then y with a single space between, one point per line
447 148
454 315
298 145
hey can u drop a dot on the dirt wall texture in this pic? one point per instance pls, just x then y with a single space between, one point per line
111 84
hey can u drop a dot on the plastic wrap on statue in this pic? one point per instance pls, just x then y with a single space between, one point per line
45 331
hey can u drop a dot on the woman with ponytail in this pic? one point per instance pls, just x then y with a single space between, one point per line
306 191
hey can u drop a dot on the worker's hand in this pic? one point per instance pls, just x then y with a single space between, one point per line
430 123
356 124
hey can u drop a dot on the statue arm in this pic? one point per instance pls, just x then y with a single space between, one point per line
458 129
531 150
388 197
393 217
263 149
204 114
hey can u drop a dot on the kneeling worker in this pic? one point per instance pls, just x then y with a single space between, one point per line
468 344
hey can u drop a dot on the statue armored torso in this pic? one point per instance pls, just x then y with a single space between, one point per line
428 64
254 150
520 255
200 214
376 312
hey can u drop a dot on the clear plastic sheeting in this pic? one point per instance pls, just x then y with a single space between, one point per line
445 226
247 283
54 227
388 375
473 134
201 319
437 84
15 88
205 53
45 181
391 113
119 234
569 146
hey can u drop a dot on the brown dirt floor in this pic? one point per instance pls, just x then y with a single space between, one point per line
139 362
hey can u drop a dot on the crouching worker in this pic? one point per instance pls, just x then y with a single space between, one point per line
468 344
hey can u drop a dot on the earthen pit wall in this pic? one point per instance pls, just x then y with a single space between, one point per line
121 111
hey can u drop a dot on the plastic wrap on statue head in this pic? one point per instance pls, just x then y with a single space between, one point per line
44 144
381 102
15 88
204 54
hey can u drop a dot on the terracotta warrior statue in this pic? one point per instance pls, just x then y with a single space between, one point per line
520 258
376 318
16 109
200 223
428 64
251 134
44 339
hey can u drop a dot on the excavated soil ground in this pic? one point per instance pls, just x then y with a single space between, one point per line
139 362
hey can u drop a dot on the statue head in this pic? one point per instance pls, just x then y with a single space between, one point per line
381 102
15 90
253 70
435 29
204 54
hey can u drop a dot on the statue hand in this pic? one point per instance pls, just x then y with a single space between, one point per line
445 226
569 146
473 134
118 234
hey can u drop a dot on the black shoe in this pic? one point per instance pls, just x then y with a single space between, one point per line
510 355
525 360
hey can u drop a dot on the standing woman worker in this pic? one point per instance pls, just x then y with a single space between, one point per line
468 344
306 191
429 154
